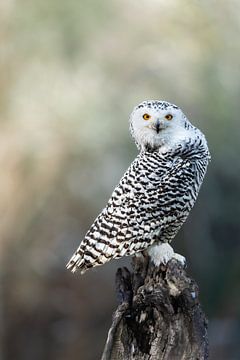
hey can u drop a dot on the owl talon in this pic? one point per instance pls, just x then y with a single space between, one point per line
180 258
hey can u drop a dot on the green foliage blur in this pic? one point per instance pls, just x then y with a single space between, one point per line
71 72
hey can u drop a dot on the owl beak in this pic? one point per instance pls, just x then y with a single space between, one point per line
157 126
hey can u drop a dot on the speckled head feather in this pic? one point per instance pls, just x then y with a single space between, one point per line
156 104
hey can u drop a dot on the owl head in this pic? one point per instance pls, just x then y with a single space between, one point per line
154 124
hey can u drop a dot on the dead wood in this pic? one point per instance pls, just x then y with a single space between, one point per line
159 316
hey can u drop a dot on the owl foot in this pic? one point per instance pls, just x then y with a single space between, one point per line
162 253
180 258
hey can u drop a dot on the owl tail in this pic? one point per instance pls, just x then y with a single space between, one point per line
77 262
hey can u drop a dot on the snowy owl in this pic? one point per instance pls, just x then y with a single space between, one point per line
155 195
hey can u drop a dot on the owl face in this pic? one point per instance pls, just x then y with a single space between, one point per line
157 123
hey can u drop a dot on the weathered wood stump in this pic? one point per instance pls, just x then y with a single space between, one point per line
159 316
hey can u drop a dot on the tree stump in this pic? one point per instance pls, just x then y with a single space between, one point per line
159 316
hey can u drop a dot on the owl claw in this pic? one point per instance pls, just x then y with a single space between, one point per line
180 258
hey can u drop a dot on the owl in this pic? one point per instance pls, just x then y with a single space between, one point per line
156 193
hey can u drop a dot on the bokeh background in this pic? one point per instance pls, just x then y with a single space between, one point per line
70 74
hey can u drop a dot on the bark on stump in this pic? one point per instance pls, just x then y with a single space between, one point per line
159 316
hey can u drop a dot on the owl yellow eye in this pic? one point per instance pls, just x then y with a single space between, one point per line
146 116
169 117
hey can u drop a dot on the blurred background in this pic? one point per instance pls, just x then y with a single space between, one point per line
70 74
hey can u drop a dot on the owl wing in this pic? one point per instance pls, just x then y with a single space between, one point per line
138 213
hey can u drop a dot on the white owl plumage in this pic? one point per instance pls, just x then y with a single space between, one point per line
155 195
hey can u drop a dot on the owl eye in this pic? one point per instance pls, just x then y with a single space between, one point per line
146 116
169 117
